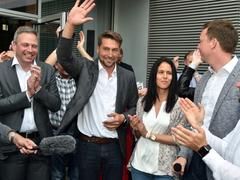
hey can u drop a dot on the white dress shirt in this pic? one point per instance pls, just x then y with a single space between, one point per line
28 124
101 103
214 87
224 157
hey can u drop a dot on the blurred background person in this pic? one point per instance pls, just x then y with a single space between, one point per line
63 166
189 77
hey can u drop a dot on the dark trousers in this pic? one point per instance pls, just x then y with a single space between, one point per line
24 167
64 166
196 170
97 160
140 175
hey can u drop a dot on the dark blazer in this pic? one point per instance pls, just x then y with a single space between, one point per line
13 101
184 82
85 73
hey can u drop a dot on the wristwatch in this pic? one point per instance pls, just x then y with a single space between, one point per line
204 150
150 136
153 137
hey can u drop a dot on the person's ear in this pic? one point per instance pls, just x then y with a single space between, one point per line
214 42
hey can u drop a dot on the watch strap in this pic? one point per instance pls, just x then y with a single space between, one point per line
204 150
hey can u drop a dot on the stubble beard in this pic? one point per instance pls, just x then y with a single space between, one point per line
107 65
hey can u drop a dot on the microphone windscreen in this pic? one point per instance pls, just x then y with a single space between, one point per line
62 144
177 167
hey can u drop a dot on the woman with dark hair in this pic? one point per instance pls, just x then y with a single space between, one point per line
157 112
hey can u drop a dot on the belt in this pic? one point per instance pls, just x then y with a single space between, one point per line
29 134
97 140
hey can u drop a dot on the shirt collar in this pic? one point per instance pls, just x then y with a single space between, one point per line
227 67
16 62
101 68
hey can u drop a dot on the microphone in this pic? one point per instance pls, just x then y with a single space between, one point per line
62 144
177 167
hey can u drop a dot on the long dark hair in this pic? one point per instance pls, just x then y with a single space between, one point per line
152 94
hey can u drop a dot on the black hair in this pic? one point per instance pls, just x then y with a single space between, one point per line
152 94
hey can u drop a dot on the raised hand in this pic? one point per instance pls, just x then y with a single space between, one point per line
78 14
81 41
197 60
176 62
58 30
193 113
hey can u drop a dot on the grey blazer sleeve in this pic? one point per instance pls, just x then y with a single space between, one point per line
4 130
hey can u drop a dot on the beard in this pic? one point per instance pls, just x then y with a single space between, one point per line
107 63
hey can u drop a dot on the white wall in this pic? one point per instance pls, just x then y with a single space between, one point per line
131 21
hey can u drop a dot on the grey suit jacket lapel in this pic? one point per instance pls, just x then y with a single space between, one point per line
201 87
231 81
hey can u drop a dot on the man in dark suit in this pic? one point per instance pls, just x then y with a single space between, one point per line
106 93
27 90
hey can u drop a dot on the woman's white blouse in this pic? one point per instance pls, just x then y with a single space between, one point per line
145 157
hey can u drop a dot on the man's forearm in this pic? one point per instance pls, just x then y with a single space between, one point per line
68 30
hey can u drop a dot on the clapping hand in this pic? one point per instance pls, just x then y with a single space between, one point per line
192 139
193 113
137 125
176 62
33 82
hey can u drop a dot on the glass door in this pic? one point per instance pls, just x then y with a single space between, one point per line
46 26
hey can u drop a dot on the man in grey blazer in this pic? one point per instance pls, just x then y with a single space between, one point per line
27 90
217 89
106 93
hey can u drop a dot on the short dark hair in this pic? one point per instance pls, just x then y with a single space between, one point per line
224 32
23 29
152 95
110 35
